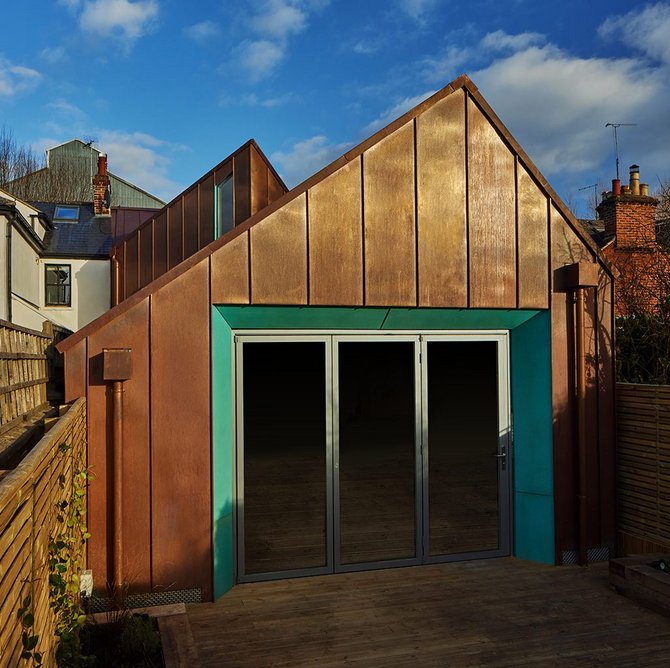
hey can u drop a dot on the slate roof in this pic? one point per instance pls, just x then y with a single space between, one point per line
89 237
596 228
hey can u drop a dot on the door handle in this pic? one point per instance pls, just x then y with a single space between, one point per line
502 455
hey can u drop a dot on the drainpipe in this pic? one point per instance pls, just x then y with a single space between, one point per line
10 225
580 359
116 273
577 278
117 368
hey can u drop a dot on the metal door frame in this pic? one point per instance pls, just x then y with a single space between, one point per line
418 492
504 453
242 576
331 339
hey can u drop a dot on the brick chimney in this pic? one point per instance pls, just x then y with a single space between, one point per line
101 188
629 213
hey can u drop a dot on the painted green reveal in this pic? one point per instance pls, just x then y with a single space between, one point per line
533 438
531 406
223 462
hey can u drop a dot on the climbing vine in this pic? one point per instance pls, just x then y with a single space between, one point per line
66 553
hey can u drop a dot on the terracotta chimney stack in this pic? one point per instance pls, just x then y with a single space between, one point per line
101 188
629 213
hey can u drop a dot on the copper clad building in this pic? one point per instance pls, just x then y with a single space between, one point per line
406 359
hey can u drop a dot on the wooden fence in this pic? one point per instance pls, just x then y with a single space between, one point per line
28 523
23 372
643 463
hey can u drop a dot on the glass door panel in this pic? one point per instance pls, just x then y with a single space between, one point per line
376 419
463 432
284 506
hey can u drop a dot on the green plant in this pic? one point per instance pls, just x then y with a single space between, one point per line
66 550
29 639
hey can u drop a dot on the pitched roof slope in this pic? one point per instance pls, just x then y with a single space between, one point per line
461 83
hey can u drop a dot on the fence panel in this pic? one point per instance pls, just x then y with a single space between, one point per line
643 468
29 496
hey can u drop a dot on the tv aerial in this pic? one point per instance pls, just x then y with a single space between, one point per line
615 127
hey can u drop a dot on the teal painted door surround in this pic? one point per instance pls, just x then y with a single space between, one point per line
530 381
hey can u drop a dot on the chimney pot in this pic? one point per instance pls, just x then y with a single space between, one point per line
634 180
616 187
644 189
625 190
102 164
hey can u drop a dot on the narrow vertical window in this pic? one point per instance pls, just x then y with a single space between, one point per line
224 206
58 285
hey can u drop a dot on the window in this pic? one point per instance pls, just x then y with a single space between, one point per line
58 285
66 214
223 194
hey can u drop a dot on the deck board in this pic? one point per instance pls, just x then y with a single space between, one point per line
502 612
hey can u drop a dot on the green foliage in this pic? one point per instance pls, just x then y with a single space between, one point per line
66 550
643 347
29 639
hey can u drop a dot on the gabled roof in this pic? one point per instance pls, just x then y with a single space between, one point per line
461 83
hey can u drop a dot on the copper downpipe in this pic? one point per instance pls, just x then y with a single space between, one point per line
580 355
117 393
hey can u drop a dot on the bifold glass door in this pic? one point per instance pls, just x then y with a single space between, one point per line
365 451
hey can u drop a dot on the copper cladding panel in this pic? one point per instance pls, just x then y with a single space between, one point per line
131 276
279 256
160 245
146 255
230 272
335 238
175 234
259 181
242 185
75 371
207 211
191 225
131 331
180 433
533 226
390 247
491 206
441 223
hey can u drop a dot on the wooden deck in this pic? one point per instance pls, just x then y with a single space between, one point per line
501 612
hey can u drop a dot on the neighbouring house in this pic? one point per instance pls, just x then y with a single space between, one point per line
68 178
55 257
628 239
406 359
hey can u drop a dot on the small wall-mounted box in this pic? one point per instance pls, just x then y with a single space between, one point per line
117 363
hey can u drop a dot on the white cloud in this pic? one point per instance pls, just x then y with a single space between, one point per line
279 19
502 41
15 79
397 110
62 106
273 24
139 158
646 30
123 18
557 104
306 158
53 55
366 47
260 58
417 8
256 100
202 32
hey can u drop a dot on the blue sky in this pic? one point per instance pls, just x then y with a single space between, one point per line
169 88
